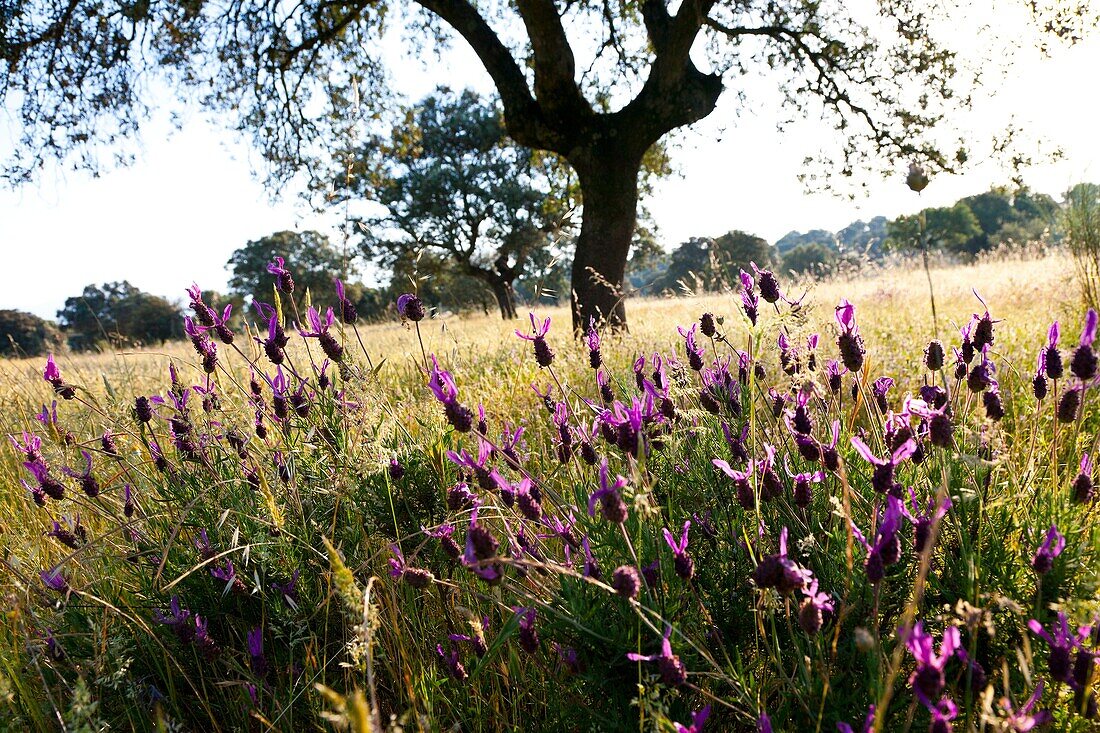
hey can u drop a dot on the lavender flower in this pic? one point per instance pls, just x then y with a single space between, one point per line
283 279
830 457
53 375
1051 357
746 496
450 662
815 605
528 634
1070 404
779 571
1039 381
319 329
983 327
769 285
803 486
879 389
626 581
694 351
833 374
1052 547
698 720
749 301
410 307
443 386
682 562
669 665
400 570
868 723
611 501
934 356
887 547
1083 364
1022 720
544 356
348 312
1061 642
849 341
87 480
203 312
592 339
882 477
928 678
444 533
30 446
49 485
54 580
1083 490
256 651
922 521
178 619
204 347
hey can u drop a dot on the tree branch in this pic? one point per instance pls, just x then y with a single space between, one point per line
555 67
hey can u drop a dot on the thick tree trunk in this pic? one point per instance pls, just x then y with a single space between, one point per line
506 298
609 185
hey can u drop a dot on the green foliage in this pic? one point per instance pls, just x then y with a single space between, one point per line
119 314
1081 220
705 263
951 228
310 257
25 334
810 259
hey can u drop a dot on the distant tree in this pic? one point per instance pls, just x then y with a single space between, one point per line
119 314
811 259
25 334
453 185
951 228
441 285
815 236
311 259
863 237
709 264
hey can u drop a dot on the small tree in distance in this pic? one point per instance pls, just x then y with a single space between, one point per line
313 261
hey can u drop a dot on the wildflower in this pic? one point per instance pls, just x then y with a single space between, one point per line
528 634
319 329
607 395
651 573
611 502
450 662
476 637
1083 363
1052 547
206 644
694 350
444 533
928 679
882 477
1061 642
981 374
226 573
460 497
1022 720
53 375
399 569
87 480
868 723
410 307
203 312
49 485
763 724
54 580
706 325
348 312
443 386
746 497
178 619
849 340
779 571
669 665
592 339
887 547
922 521
682 562
803 486
1083 490
256 651
749 301
276 339
769 285
933 355
1039 381
204 347
626 581
288 590
983 327
879 389
991 399
481 547
544 356
771 487
1069 405
30 446
833 375
943 712
53 647
1051 357
811 613
284 281
698 719
799 416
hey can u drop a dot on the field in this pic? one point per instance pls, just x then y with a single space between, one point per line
360 548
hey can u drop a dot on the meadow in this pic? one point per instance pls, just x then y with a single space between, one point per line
741 515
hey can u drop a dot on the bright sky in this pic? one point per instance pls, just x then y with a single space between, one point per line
191 199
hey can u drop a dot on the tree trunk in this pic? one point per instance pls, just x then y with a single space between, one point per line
506 298
608 177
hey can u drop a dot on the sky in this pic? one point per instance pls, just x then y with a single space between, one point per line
192 196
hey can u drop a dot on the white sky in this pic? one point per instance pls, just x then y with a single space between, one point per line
191 199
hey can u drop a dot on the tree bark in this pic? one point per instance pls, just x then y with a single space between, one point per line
608 176
506 298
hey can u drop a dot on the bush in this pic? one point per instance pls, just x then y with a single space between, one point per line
25 334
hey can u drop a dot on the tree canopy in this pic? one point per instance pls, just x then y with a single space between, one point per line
597 83
309 255
120 314
25 334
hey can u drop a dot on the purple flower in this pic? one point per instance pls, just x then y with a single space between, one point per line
682 562
882 478
283 279
591 567
698 719
481 550
319 329
833 373
49 485
887 547
1083 490
444 533
528 634
204 346
543 354
1084 362
922 521
442 385
611 502
1052 547
694 350
288 590
1022 720
781 572
879 389
1050 358
626 581
849 341
53 375
769 286
763 724
451 663
746 496
927 679
54 580
256 651
88 482
592 339
30 446
400 570
803 486
811 614
868 723
348 312
1062 642
749 300
178 619
669 665
410 307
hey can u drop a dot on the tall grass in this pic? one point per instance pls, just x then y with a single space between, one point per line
1081 219
343 606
